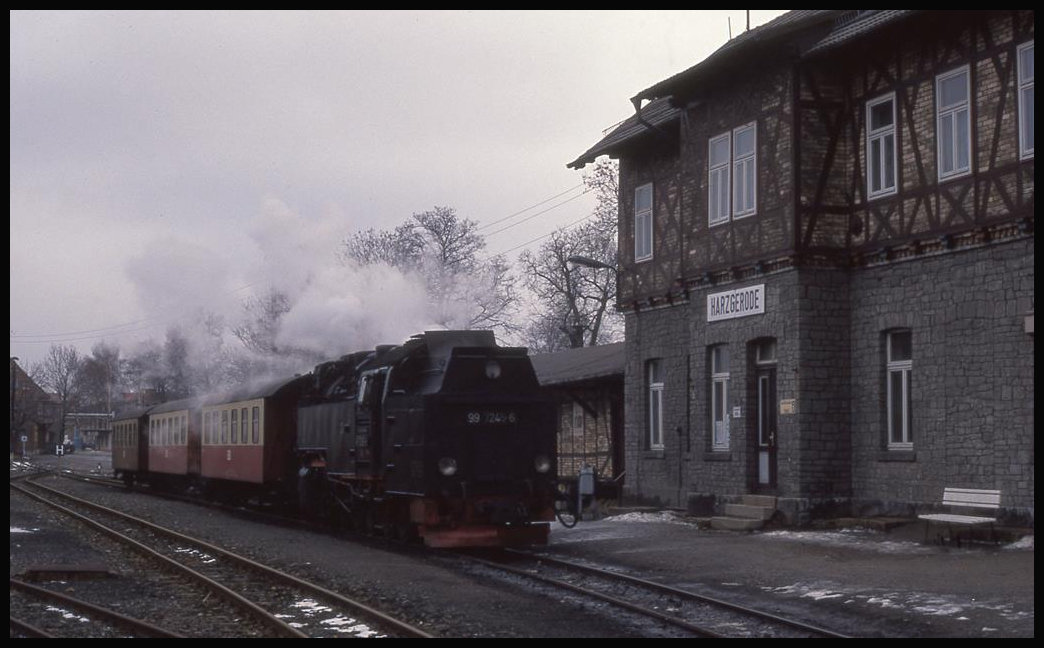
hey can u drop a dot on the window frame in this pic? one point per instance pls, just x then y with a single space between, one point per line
748 160
952 112
719 380
643 225
714 170
903 369
1024 84
880 135
654 400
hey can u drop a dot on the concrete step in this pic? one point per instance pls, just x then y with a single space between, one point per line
748 511
759 500
726 523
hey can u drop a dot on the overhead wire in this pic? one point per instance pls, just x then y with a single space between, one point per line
151 322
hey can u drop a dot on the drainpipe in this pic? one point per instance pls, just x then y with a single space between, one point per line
656 130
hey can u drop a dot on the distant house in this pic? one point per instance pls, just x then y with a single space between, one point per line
34 414
587 383
88 430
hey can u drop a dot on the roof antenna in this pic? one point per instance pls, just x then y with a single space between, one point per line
748 19
729 18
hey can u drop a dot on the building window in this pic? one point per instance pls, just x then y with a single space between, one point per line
900 366
1026 99
718 180
719 397
643 222
954 125
744 188
880 146
654 382
578 417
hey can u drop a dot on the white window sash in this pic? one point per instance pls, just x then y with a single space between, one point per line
656 415
718 205
1026 103
719 412
643 244
745 175
880 152
953 129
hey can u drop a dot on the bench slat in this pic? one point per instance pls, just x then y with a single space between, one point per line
956 519
971 497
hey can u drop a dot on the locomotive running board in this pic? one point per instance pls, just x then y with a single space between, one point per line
487 536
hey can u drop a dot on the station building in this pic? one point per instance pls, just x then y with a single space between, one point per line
826 244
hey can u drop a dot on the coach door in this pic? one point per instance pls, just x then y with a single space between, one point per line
765 423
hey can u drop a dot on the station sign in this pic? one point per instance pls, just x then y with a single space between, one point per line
740 302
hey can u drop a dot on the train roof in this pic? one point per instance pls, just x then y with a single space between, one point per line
174 406
259 389
132 413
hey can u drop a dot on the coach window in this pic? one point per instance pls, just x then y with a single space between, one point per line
255 425
224 426
953 129
643 222
899 354
234 426
654 394
244 426
719 363
1026 99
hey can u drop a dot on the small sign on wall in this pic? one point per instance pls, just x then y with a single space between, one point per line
736 303
737 412
787 406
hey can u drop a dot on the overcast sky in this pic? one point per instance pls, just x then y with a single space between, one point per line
166 162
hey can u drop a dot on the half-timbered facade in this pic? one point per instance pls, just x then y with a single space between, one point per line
826 265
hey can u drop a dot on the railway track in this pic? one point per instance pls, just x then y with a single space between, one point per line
277 603
669 611
93 620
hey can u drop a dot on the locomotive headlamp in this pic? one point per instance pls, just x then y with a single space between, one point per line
542 464
448 466
492 370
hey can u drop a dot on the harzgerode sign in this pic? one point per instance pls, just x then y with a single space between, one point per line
736 303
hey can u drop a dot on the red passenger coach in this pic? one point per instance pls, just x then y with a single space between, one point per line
174 447
130 447
248 435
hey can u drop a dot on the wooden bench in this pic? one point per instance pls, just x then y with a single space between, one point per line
965 498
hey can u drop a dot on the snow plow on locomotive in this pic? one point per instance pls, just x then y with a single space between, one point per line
446 438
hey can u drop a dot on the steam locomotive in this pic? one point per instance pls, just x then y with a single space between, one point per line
446 438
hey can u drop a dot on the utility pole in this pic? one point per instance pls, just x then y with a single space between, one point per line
14 379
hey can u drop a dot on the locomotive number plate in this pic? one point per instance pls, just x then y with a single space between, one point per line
491 417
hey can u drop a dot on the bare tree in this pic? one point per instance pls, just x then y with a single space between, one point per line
59 372
145 375
258 332
575 300
465 289
176 362
99 377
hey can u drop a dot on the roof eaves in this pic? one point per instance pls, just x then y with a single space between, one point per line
771 32
655 114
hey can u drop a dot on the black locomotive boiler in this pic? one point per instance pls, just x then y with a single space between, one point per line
446 437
